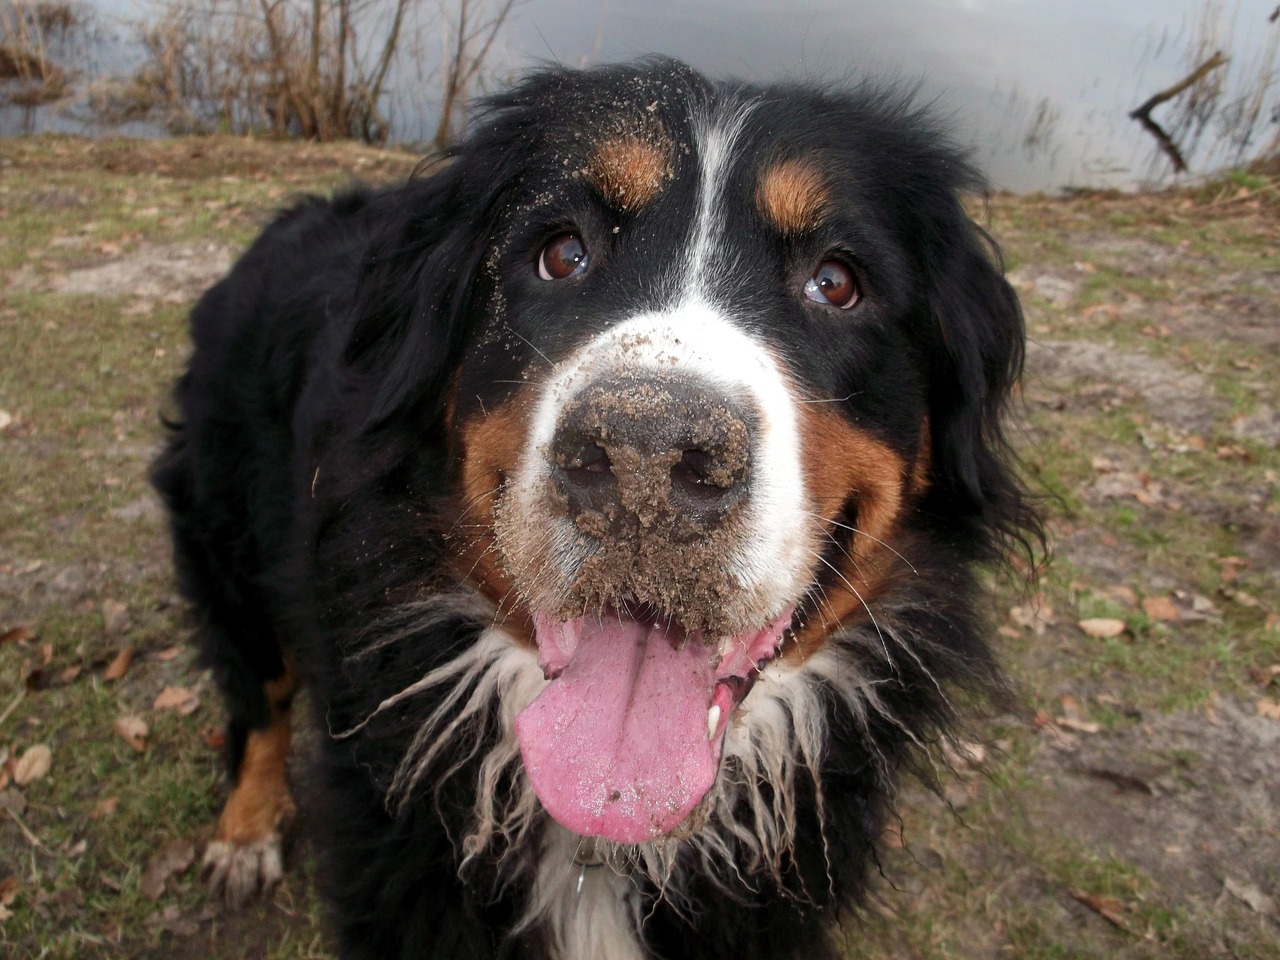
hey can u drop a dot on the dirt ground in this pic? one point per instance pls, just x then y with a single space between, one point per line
1132 810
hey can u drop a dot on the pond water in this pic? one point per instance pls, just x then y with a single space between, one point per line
1041 89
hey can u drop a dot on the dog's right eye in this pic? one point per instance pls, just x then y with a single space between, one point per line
563 256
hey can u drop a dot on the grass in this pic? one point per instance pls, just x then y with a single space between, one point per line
1191 517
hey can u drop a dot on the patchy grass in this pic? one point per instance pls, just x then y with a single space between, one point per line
1130 813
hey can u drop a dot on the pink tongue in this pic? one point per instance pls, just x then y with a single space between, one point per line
617 745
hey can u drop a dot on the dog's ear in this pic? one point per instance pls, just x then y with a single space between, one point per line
977 353
415 288
423 268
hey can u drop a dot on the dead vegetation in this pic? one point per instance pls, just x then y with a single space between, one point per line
319 70
29 74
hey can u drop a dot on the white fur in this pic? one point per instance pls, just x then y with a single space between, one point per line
600 920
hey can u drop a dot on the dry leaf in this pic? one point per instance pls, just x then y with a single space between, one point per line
32 765
115 617
168 653
173 858
105 807
213 739
1122 594
1109 908
1269 708
176 698
133 731
1080 726
1102 627
1249 893
8 891
17 635
69 674
118 667
1160 608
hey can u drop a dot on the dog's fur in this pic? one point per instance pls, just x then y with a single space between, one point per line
371 490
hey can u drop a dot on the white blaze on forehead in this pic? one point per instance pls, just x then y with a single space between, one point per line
716 137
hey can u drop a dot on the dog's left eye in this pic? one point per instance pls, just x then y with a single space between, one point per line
834 284
563 256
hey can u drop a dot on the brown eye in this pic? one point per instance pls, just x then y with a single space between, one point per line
563 256
833 284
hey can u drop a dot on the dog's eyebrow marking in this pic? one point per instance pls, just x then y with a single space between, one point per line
629 171
792 195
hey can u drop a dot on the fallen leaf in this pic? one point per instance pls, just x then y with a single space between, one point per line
118 667
17 635
1248 893
1160 608
32 765
1081 726
173 858
1109 908
1121 780
1269 708
168 653
133 731
1122 594
213 739
176 698
1104 465
8 891
1243 598
1102 627
115 617
105 807
69 674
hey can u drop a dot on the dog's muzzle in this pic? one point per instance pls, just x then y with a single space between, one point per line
651 455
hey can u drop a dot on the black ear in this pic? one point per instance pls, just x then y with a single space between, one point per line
980 341
414 293
422 274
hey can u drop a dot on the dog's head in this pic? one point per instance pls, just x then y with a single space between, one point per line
719 365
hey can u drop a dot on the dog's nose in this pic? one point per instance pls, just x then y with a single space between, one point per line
672 454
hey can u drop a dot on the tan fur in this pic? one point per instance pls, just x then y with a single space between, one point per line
843 464
792 195
492 442
260 801
629 172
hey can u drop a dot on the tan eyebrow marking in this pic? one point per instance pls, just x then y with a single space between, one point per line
792 195
628 171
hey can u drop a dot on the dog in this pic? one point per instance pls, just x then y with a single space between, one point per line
618 486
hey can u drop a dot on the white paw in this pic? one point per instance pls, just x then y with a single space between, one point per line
237 871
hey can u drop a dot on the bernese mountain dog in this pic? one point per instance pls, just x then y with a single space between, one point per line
619 487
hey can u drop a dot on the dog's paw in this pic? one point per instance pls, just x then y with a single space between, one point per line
236 872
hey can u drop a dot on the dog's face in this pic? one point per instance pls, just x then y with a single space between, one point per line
734 356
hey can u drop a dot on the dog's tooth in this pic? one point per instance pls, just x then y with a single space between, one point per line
713 720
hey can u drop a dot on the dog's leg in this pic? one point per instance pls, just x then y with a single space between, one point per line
245 854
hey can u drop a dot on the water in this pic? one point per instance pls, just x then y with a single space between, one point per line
1040 89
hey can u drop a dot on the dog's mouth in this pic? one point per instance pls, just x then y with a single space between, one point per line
625 740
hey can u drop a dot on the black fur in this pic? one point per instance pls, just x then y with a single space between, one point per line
313 479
